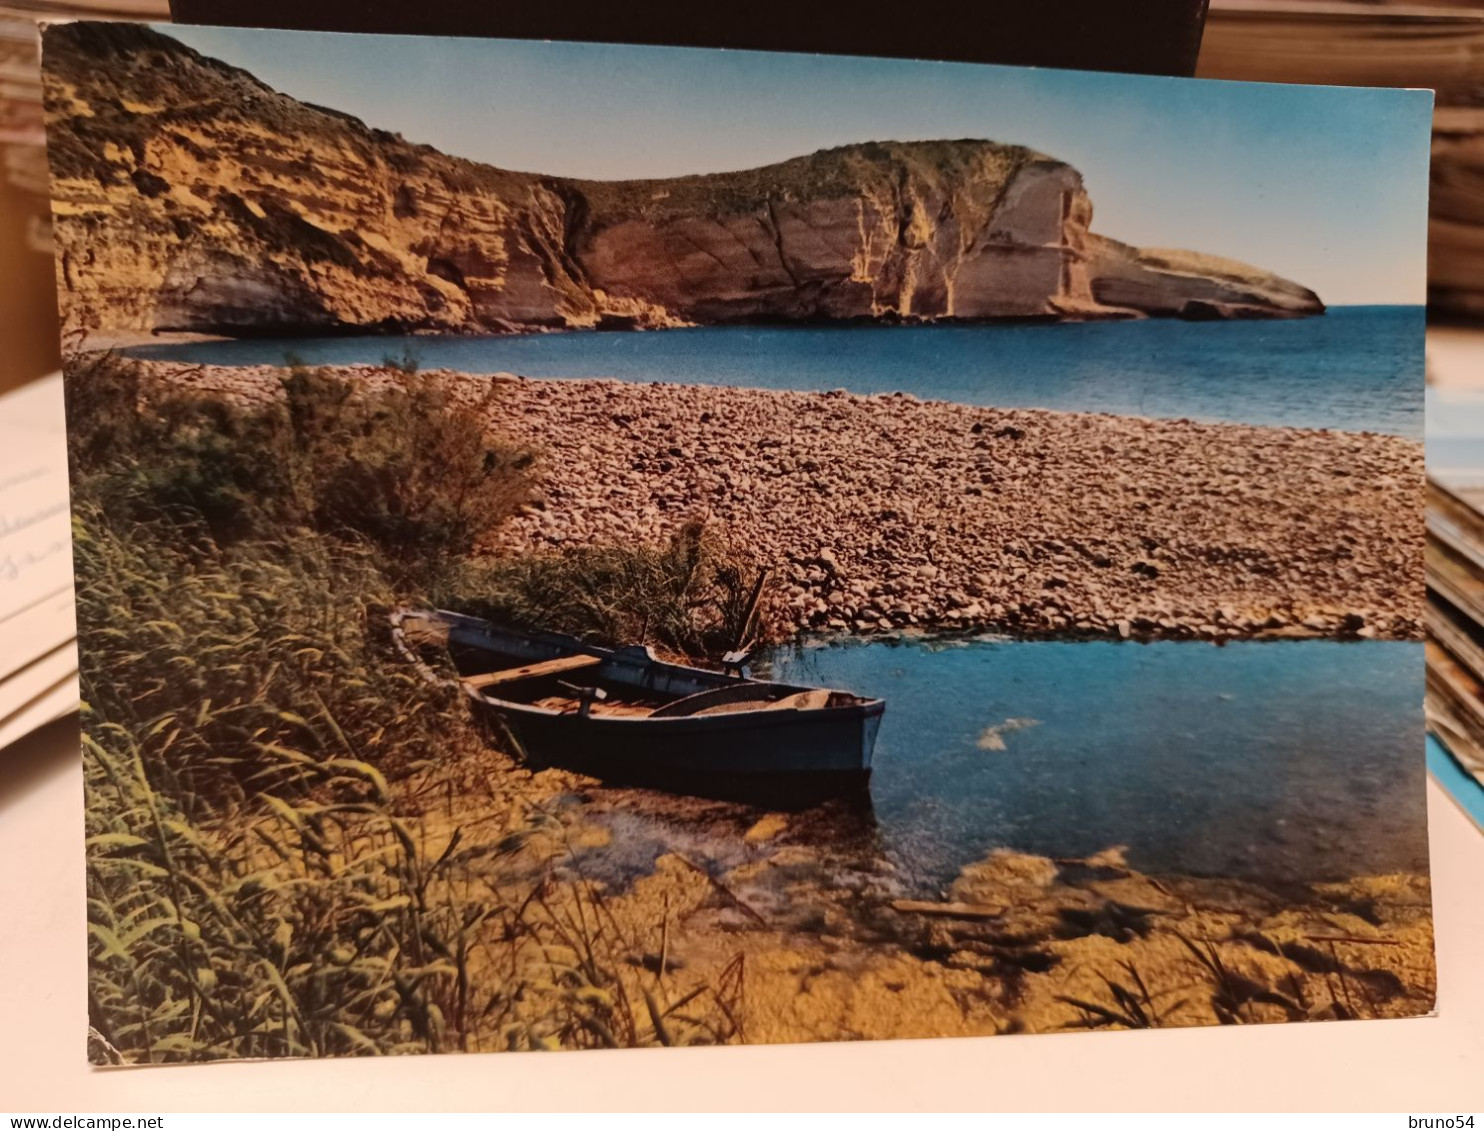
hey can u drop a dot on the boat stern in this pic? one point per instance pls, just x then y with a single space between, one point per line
870 724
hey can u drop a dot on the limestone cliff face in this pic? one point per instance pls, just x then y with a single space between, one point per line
928 230
189 196
1187 284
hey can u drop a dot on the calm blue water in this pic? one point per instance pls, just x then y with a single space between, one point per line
1280 761
1356 368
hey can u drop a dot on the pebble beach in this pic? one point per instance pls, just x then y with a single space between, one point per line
881 514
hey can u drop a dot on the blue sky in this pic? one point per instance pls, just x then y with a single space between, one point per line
1327 186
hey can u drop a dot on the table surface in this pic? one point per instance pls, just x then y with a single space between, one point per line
1425 1064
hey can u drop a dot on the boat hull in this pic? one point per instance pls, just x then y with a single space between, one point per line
749 744
787 764
784 753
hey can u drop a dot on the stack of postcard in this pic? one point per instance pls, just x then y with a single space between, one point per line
1427 43
38 647
38 654
583 546
27 301
1455 563
1455 619
22 143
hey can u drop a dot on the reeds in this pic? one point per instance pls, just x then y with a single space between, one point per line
689 597
279 856
1131 1006
251 888
304 934
262 877
1309 985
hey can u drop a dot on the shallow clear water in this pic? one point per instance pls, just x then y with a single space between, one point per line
1355 368
1282 761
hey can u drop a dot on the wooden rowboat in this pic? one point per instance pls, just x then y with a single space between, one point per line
625 716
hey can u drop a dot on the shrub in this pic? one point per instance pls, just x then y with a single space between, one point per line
405 467
146 455
689 596
408 468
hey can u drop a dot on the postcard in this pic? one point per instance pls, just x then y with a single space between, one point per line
1454 559
593 546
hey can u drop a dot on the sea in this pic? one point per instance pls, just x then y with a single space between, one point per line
1357 368
1280 762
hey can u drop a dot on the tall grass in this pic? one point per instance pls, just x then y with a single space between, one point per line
335 926
1311 985
690 595
280 861
307 933
220 661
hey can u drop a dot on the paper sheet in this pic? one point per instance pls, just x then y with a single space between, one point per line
35 528
38 651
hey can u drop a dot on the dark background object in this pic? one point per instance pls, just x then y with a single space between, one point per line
1137 36
1428 43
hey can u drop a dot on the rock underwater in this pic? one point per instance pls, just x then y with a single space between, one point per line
189 196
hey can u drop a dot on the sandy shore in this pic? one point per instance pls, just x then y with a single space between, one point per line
1029 944
886 513
828 940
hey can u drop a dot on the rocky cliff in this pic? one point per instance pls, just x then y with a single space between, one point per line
188 196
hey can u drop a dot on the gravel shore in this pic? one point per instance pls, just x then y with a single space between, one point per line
887 513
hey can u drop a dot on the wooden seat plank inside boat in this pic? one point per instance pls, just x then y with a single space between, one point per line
607 708
562 665
811 700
